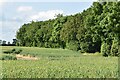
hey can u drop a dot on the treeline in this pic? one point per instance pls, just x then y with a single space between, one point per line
3 43
96 29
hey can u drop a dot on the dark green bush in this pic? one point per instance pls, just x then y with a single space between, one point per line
8 51
13 50
8 57
18 51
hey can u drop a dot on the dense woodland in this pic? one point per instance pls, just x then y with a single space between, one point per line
96 29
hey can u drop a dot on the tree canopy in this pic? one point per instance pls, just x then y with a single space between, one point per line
96 29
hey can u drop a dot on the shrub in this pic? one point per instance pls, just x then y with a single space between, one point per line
115 48
8 51
105 49
13 50
18 51
72 45
84 46
8 57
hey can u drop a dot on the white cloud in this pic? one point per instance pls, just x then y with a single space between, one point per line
8 31
24 8
45 15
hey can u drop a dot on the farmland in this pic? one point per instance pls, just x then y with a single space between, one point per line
59 63
65 40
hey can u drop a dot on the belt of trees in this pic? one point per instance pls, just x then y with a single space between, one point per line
96 29
8 44
3 43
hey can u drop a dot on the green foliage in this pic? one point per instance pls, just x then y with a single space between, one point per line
16 51
84 47
9 51
105 49
115 48
8 57
98 24
72 45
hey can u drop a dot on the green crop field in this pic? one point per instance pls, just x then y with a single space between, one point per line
58 63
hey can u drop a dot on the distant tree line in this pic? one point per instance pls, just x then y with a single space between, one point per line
4 43
96 29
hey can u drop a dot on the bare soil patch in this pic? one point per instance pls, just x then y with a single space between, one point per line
21 57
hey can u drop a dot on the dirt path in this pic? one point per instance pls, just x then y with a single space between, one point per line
21 57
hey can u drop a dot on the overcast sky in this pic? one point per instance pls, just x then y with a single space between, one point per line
15 13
